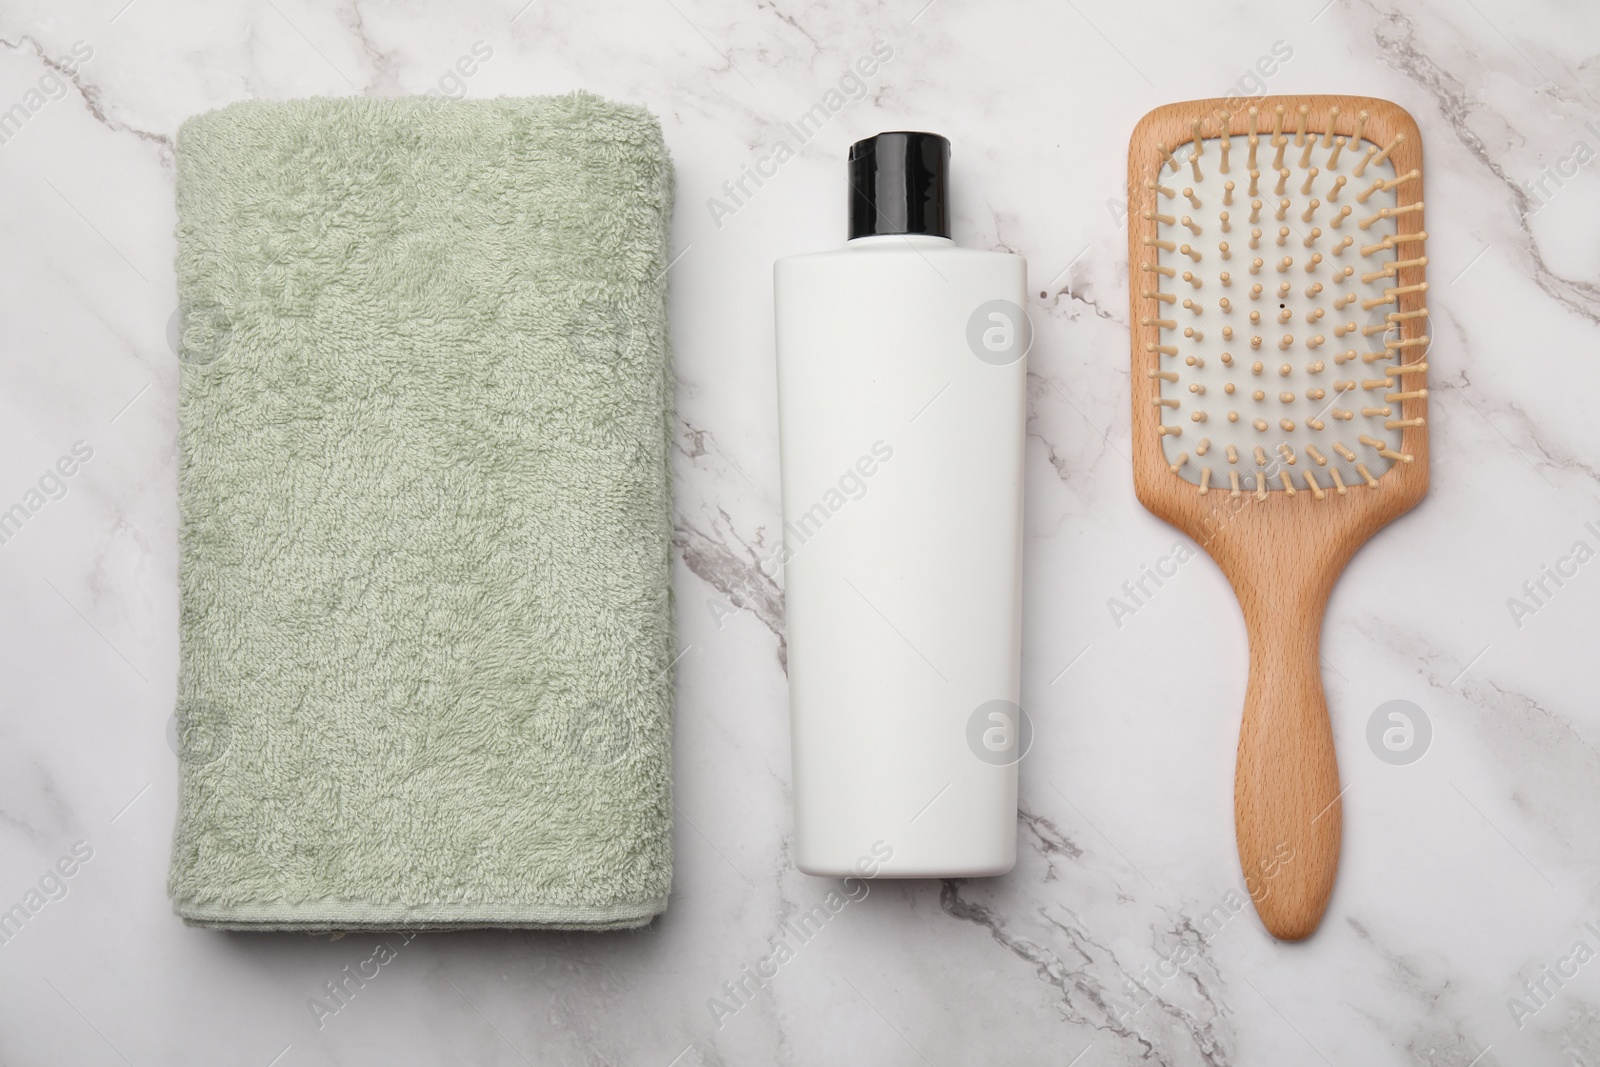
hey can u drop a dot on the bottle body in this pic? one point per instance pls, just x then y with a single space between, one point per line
901 381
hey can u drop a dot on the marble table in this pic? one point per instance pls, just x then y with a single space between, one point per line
1471 858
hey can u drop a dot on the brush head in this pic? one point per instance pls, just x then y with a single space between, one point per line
1278 284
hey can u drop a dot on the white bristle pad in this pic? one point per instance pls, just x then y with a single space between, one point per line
1289 381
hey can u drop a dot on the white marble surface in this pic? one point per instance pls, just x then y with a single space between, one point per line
1463 874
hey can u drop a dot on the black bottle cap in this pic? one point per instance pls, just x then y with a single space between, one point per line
899 184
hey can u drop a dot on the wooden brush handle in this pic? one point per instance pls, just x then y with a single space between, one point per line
1286 784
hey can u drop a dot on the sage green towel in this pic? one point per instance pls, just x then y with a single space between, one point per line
426 625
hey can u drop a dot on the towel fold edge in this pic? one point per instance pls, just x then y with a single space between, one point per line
341 915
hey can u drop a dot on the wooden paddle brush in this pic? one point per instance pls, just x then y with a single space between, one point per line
1276 283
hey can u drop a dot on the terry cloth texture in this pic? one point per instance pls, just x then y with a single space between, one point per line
426 626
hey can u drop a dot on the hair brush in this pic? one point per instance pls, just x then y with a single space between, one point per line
1277 283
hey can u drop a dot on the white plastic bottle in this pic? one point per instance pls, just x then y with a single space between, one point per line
901 394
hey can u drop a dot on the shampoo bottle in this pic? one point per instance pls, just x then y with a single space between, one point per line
901 386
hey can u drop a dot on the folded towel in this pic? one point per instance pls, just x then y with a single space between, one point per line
426 624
